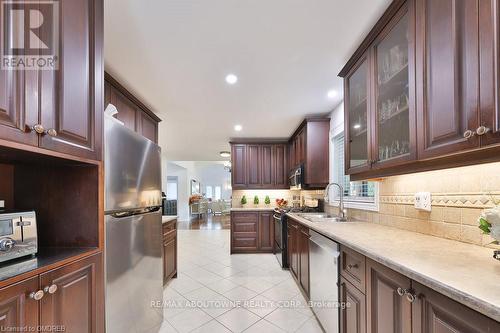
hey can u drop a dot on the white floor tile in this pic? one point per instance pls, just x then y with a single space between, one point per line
239 319
240 294
166 328
189 320
310 326
261 306
263 326
212 327
287 319
222 286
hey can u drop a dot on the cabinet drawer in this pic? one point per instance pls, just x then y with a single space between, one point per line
245 217
352 267
245 227
169 226
244 242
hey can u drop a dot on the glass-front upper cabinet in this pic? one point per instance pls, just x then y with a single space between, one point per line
357 137
394 111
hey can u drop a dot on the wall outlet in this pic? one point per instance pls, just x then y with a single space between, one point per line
423 201
2 204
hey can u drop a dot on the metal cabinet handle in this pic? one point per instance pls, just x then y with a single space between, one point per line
37 295
482 130
38 128
351 266
469 134
411 297
51 289
52 132
401 291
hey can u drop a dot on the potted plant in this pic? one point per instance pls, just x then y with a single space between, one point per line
243 201
256 201
267 201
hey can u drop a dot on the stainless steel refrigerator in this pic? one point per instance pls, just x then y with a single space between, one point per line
133 245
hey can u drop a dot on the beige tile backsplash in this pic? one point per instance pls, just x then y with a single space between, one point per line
458 197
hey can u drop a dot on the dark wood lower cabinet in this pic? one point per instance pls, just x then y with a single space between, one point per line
353 312
304 259
17 309
387 311
71 296
293 255
436 313
169 251
298 254
395 303
71 299
252 232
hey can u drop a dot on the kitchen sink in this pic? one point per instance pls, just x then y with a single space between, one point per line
320 217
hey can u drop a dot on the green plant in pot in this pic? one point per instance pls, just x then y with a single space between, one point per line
243 201
256 201
267 201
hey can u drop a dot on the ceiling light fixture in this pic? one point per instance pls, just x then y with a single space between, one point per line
332 93
357 126
238 128
231 79
225 154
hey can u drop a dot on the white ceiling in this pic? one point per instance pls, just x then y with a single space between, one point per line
175 54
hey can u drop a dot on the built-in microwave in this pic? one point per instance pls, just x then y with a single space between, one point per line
295 179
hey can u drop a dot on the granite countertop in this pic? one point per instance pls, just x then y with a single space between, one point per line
168 218
464 272
241 209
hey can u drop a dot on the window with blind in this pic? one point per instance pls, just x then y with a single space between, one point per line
359 194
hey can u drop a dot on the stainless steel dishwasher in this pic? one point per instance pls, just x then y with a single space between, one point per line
324 275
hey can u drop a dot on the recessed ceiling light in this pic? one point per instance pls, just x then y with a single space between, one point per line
332 93
357 126
225 154
238 128
231 79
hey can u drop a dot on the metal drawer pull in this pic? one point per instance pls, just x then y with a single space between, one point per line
482 130
38 295
351 266
50 289
401 291
469 134
52 132
411 297
38 129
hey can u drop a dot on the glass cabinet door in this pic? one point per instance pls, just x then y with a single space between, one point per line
392 93
357 90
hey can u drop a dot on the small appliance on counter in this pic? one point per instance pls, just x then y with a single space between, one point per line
18 234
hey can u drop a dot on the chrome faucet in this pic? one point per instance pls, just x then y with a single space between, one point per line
342 213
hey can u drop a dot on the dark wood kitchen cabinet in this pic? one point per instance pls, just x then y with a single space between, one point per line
387 311
252 231
65 297
238 166
259 166
309 147
17 308
73 301
266 231
433 312
353 317
430 90
61 110
131 111
169 250
395 303
298 254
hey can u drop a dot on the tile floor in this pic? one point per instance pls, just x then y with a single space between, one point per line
218 292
